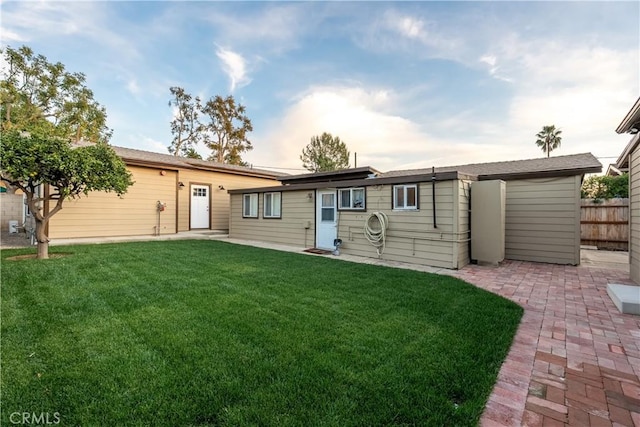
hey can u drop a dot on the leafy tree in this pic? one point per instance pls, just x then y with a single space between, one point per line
46 112
325 153
185 127
549 139
53 170
191 153
226 132
605 187
43 98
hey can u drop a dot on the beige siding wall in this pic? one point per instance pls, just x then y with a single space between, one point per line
634 215
463 222
411 236
219 202
101 214
543 220
11 209
297 213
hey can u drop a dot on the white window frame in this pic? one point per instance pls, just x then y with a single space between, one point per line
275 202
351 207
253 205
404 207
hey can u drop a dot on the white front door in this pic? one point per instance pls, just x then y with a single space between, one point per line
326 221
199 206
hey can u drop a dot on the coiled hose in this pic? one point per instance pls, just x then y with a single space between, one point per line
377 235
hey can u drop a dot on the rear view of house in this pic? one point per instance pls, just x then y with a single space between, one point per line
426 213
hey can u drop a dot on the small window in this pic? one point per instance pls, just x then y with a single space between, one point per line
271 205
352 198
405 197
250 205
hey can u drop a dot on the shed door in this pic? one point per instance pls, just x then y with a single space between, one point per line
326 222
199 206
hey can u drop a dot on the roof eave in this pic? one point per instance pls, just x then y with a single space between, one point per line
541 174
631 119
167 166
410 179
623 160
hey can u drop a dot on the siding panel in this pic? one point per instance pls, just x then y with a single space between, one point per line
102 214
219 209
298 212
634 215
543 220
411 236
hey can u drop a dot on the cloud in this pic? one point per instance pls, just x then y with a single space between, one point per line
133 87
235 66
144 142
394 31
273 27
83 20
360 117
11 36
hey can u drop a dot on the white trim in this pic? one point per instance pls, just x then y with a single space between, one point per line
351 199
404 206
275 202
253 205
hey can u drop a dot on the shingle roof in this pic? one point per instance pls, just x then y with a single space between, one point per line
133 155
574 164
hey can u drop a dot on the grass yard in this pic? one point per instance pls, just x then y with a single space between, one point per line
199 333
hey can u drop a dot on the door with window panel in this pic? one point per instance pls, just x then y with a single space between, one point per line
326 219
199 206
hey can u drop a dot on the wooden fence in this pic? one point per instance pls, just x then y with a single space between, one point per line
605 223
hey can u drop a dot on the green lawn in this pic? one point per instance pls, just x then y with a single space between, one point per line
201 333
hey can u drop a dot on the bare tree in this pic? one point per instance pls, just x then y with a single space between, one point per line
185 126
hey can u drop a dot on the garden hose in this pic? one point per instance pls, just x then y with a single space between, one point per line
377 236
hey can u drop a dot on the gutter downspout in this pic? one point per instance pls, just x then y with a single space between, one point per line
433 194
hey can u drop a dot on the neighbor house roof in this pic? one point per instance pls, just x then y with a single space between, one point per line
612 170
575 164
168 161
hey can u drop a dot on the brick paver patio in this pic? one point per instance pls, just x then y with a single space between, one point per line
575 360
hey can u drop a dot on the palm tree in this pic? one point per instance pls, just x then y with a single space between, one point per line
549 138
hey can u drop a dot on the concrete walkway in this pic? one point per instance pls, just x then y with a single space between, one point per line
575 359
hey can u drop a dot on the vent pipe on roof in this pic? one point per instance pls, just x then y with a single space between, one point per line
433 194
355 160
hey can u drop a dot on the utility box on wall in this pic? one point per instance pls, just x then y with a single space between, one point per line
488 214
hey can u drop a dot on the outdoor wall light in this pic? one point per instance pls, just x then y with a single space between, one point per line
220 187
180 185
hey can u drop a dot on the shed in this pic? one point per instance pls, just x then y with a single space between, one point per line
428 210
630 160
170 194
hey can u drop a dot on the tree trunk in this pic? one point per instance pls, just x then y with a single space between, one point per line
41 237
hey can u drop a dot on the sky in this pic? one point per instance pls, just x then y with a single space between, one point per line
404 84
